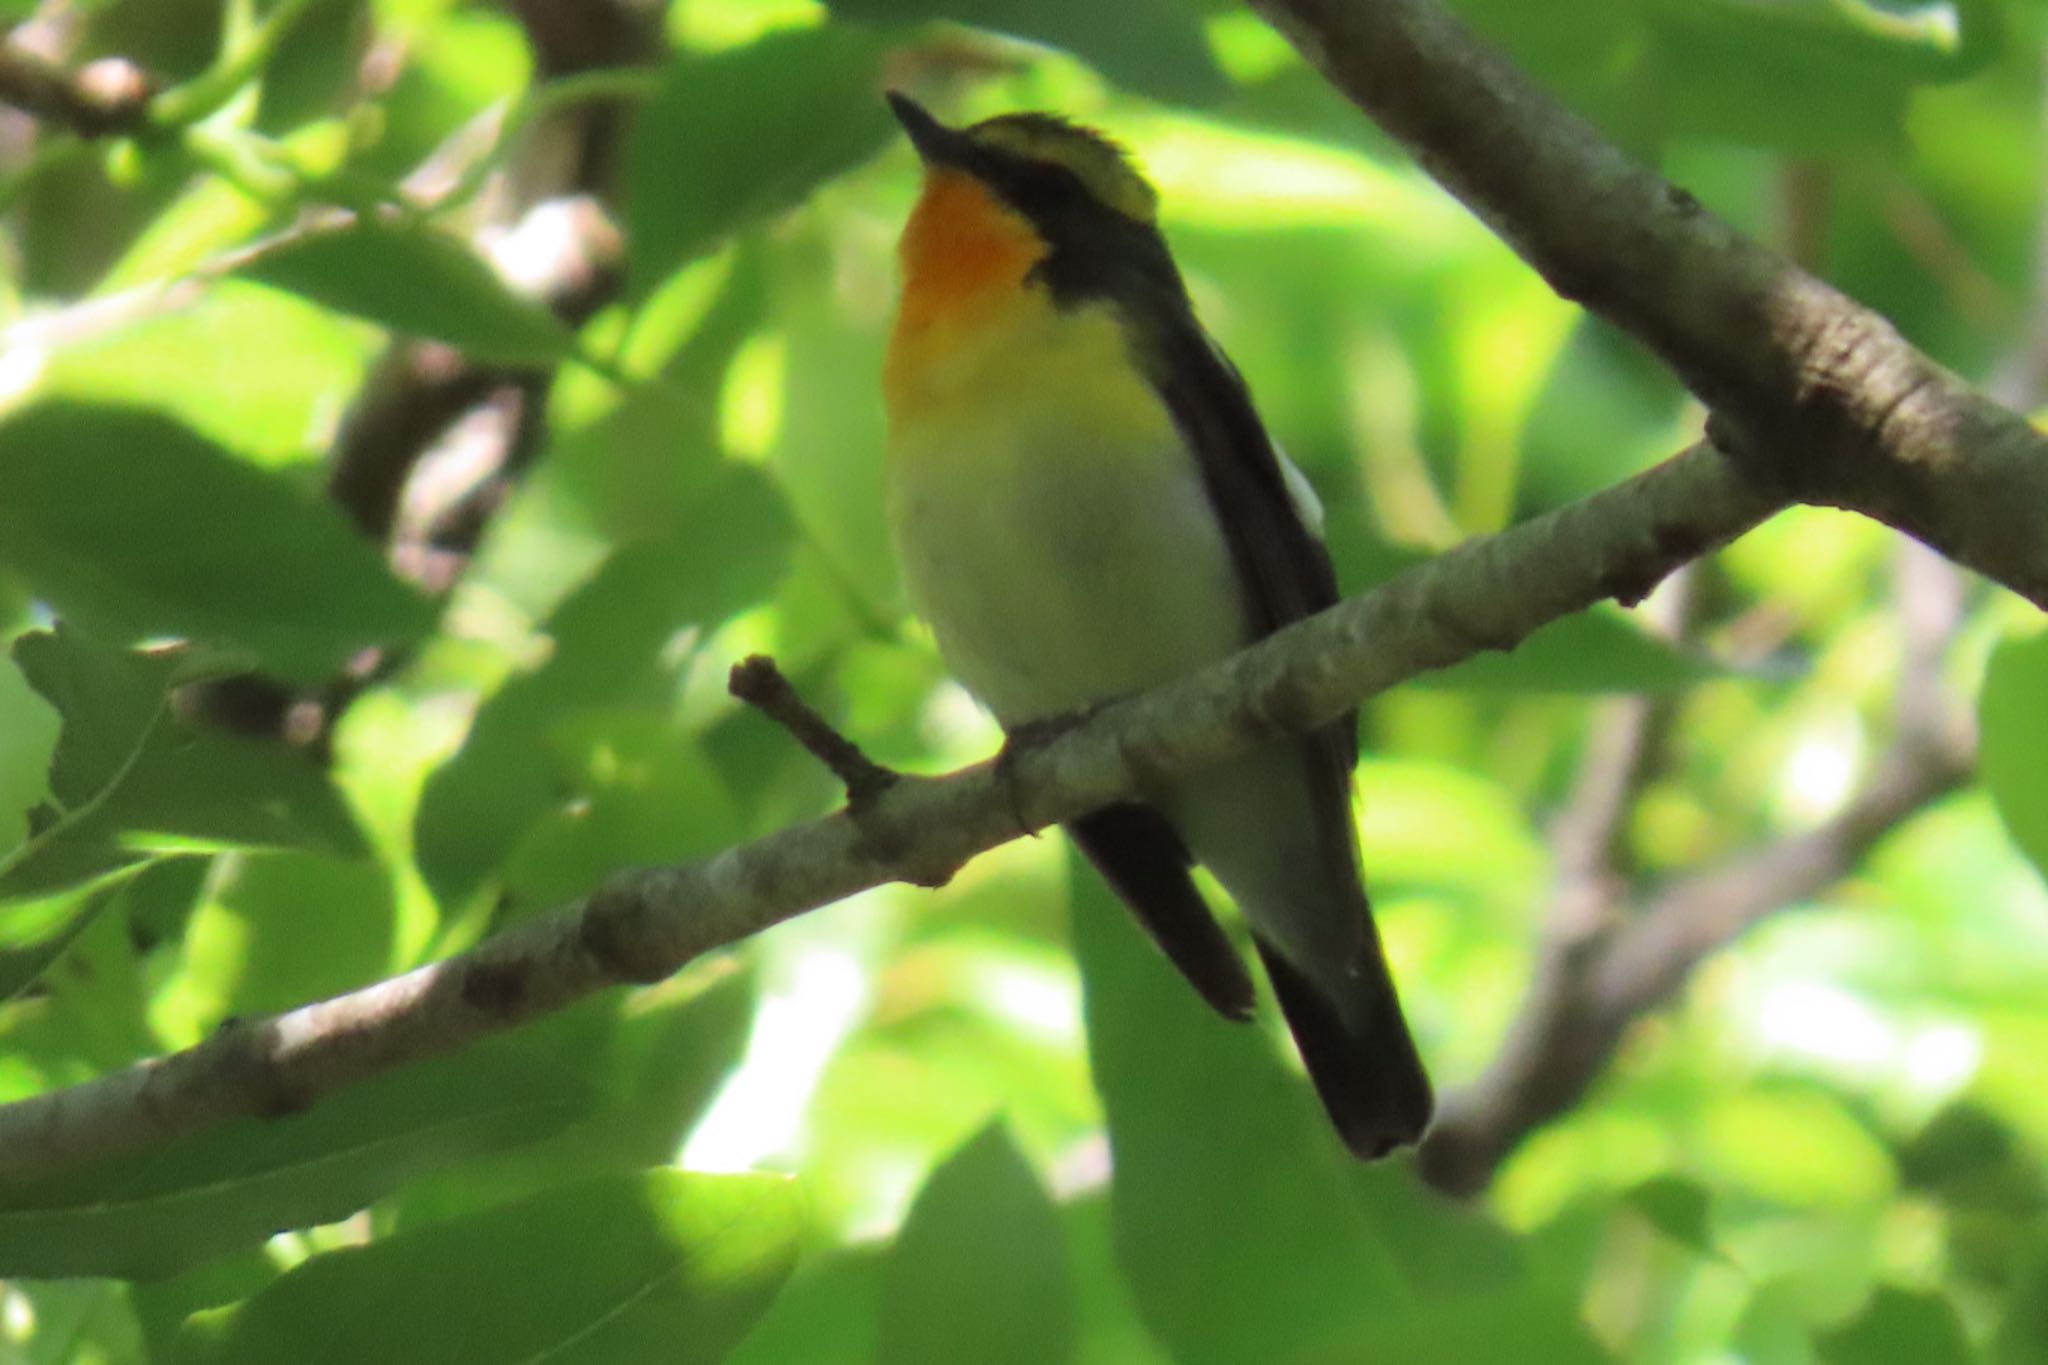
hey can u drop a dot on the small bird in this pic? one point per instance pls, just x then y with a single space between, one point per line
1085 504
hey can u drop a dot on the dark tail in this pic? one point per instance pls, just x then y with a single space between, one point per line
1358 1053
1146 864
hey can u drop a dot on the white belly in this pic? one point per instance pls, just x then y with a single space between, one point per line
1056 572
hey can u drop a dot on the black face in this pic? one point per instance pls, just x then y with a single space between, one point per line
1097 251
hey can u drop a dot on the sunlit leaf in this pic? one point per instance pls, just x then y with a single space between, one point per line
129 774
417 281
254 369
137 527
654 1266
2013 721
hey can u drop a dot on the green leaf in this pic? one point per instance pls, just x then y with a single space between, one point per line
419 281
825 1317
1528 1323
1898 1327
275 930
979 1274
1587 652
2022 1338
253 368
21 964
1678 1208
612 647
156 1211
735 136
1590 54
652 1266
28 739
2013 750
1150 47
129 776
655 1059
1235 1217
136 527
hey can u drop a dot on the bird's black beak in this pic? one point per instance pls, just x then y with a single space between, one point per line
937 144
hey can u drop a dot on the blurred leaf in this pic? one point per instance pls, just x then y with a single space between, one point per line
828 454
2022 1337
1919 42
417 281
1525 1324
158 1210
1112 1331
1812 77
1587 652
1680 1209
1802 1145
655 1266
137 527
460 61
646 794
1969 1157
655 1059
253 368
275 930
1898 1327
613 645
2013 750
1593 55
1151 47
162 1305
738 135
979 1274
128 774
28 740
1233 1211
21 964
825 1317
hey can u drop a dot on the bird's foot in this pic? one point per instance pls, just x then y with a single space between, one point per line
1021 739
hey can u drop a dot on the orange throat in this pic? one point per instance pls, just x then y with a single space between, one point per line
965 256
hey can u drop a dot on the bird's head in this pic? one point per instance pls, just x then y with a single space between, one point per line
1020 201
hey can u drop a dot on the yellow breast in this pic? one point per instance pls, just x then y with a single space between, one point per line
1051 524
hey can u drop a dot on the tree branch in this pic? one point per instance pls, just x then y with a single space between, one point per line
1604 963
641 926
1823 395
101 98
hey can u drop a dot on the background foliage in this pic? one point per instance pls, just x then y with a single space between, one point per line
1831 1147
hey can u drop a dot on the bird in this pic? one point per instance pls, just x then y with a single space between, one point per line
1084 503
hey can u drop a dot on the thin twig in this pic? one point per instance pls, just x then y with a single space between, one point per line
100 99
756 681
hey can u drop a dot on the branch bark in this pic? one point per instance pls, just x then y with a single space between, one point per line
644 925
1818 393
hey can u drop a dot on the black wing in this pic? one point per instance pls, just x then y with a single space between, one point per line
1146 864
1354 1040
